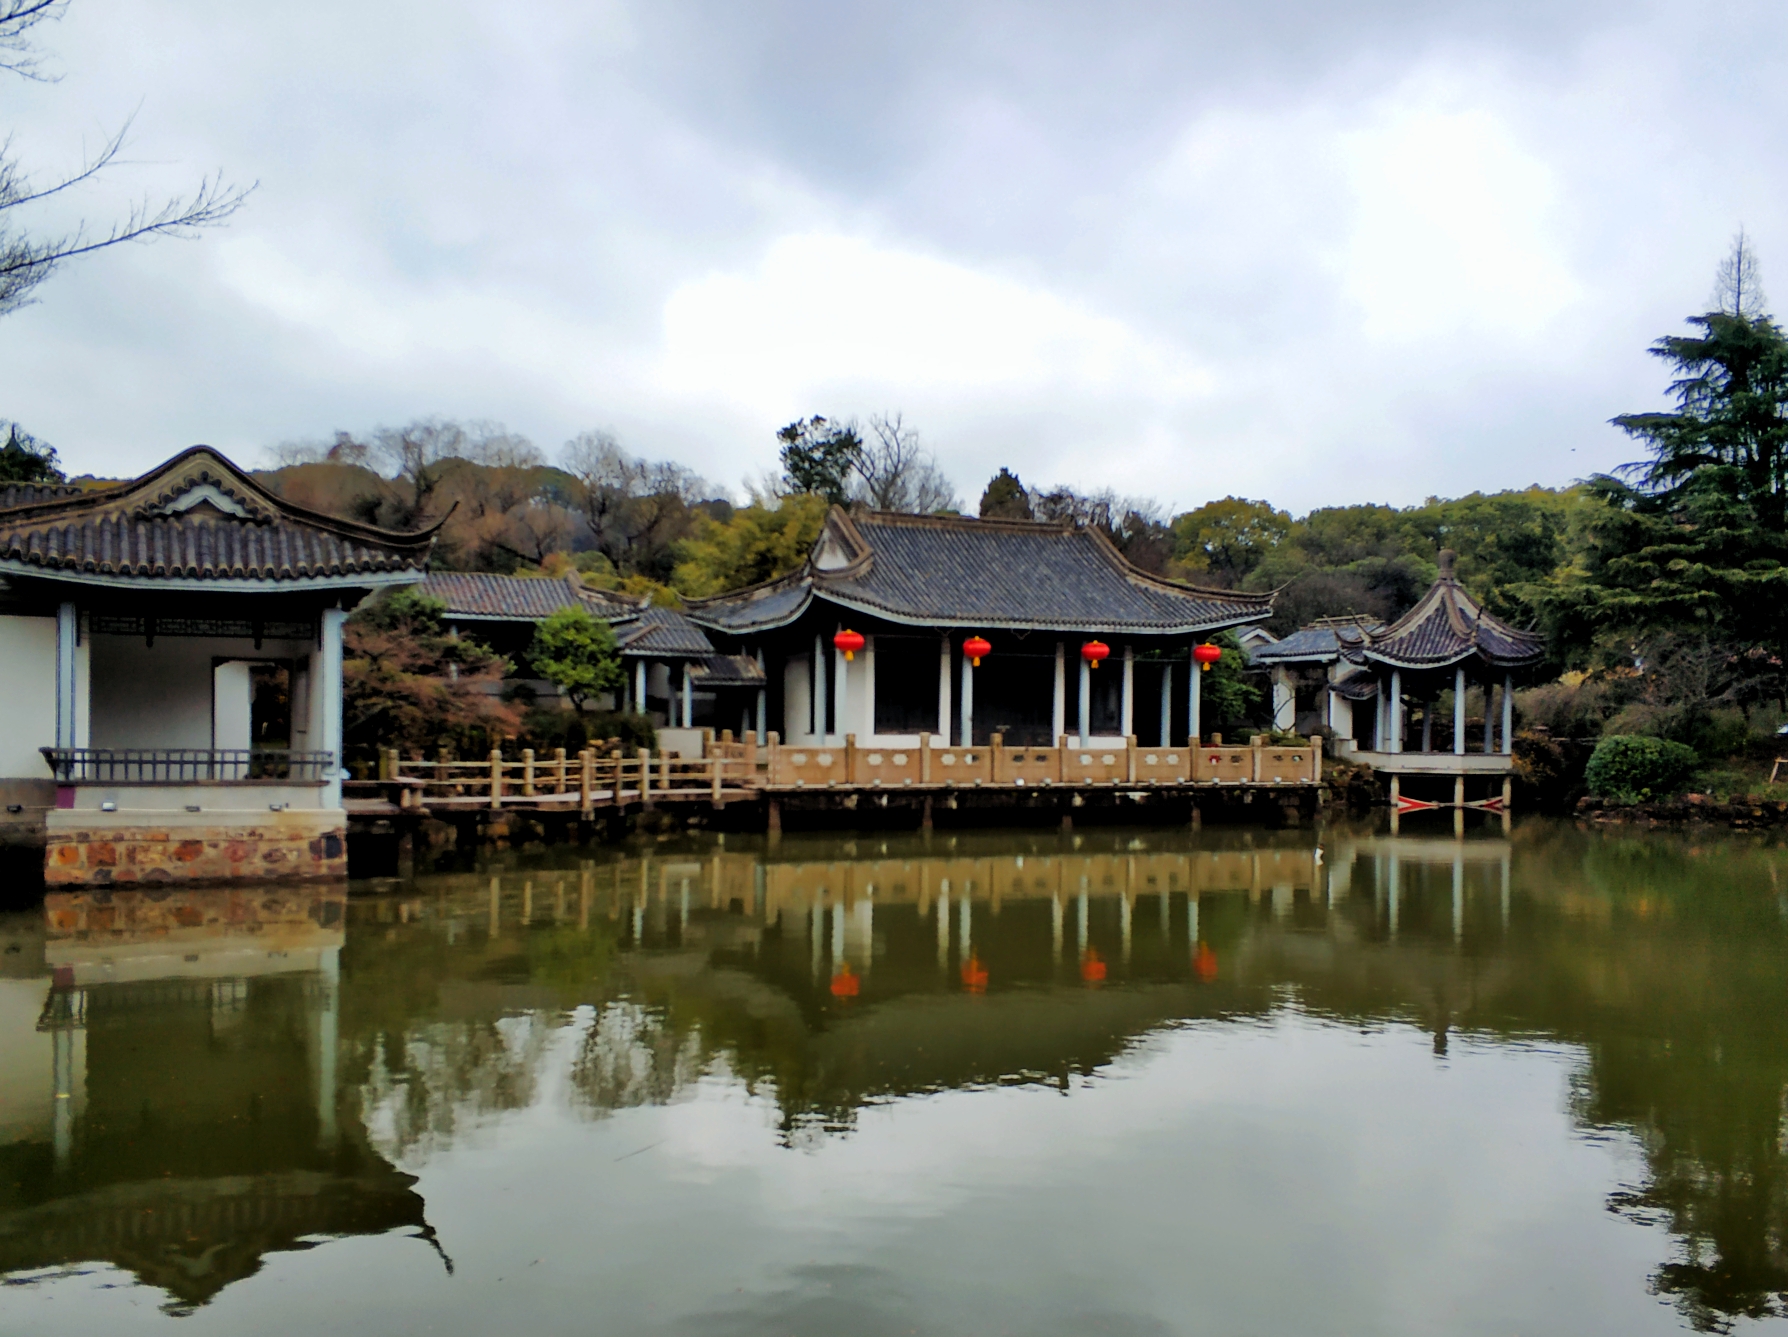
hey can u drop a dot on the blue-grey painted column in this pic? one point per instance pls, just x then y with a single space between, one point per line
688 698
1396 711
1459 711
68 636
1127 713
819 689
639 687
968 702
943 690
1508 714
328 682
1058 715
1166 707
841 689
1194 704
763 694
1086 699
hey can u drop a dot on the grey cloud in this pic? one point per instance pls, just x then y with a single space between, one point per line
482 211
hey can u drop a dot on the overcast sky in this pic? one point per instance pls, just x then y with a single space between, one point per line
1311 252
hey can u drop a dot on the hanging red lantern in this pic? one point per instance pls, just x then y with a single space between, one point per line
1206 655
1094 651
850 642
976 646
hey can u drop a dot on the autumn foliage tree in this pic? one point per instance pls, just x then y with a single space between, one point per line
407 683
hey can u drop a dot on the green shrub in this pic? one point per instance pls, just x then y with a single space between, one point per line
1633 767
549 727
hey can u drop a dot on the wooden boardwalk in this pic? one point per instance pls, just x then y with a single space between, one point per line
598 781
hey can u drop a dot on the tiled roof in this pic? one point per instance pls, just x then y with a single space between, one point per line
1447 627
728 671
950 571
476 595
29 494
1320 642
663 631
198 518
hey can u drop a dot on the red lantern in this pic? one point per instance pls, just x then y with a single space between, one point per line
974 647
1206 655
850 642
1092 969
1204 962
845 984
1094 651
974 974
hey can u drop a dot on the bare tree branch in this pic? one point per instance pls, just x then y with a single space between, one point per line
17 19
26 260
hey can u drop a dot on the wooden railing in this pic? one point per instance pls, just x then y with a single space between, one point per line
609 776
1127 763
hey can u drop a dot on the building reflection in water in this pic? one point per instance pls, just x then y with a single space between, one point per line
169 1101
279 1093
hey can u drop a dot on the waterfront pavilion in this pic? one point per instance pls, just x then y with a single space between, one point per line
1047 600
172 650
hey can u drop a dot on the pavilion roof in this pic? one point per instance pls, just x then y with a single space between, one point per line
641 628
1446 627
196 521
1320 642
950 571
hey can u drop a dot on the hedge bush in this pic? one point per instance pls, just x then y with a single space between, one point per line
1635 767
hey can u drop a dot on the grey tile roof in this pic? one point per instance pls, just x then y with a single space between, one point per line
663 631
1447 627
477 595
728 671
950 571
1319 642
197 518
29 494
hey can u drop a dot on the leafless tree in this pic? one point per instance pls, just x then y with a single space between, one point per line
896 473
1738 283
635 508
27 258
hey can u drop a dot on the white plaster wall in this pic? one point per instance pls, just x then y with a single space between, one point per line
797 700
27 695
160 695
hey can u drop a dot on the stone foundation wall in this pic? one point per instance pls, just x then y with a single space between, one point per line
89 849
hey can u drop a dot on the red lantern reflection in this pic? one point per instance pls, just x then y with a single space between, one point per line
1204 962
1092 969
845 983
974 974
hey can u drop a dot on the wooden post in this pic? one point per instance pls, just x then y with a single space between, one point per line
850 759
925 765
664 771
716 763
995 745
527 772
1061 759
559 762
1130 747
496 778
645 777
1257 742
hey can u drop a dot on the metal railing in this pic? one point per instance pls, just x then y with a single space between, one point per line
185 765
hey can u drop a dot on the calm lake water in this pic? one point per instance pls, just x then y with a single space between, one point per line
1130 1082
